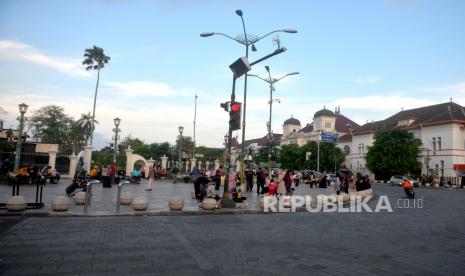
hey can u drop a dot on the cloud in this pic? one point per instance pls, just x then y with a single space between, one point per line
391 102
143 88
457 89
367 80
16 50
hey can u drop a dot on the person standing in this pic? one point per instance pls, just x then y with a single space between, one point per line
261 180
288 182
112 172
151 178
281 186
249 179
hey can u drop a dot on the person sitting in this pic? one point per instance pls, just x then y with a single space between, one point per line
22 175
237 194
93 173
136 175
272 188
78 183
54 177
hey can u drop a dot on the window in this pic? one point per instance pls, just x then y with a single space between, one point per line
327 124
434 145
346 149
293 130
439 143
442 168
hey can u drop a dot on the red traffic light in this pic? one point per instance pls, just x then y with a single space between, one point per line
235 107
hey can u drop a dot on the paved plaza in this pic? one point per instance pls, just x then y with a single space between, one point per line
104 199
409 241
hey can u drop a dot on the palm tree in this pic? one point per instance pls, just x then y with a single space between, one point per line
87 124
94 59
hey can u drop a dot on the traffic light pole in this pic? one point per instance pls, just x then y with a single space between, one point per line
226 202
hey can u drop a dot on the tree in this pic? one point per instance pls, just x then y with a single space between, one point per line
393 152
87 125
50 124
75 139
187 145
95 59
290 157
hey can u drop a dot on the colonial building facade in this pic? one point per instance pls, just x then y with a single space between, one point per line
441 129
326 126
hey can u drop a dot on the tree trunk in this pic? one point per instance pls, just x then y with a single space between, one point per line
93 112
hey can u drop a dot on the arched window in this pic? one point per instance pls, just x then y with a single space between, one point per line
346 149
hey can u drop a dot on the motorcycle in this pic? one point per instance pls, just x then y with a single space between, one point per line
409 192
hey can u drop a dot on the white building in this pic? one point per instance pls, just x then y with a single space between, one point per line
325 125
441 128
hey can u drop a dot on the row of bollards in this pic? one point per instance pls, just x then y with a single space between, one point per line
62 203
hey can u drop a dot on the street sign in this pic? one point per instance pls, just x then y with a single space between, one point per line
307 155
329 137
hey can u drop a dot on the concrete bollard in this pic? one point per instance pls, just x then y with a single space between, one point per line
209 204
16 203
80 198
125 198
140 203
176 204
60 204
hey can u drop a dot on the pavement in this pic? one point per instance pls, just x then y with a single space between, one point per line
104 199
408 241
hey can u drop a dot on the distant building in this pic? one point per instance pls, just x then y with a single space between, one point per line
441 129
326 125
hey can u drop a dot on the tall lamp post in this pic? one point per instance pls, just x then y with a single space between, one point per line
181 129
271 81
195 120
116 130
246 40
22 110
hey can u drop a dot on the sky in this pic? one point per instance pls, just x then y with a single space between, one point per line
371 58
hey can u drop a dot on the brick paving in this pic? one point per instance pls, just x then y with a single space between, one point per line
422 241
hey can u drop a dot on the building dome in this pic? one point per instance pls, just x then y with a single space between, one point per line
324 112
292 121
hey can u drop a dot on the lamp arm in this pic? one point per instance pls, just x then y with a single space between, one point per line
232 38
260 38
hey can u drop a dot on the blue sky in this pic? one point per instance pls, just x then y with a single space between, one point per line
371 58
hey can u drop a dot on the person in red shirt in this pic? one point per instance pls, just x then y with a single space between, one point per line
272 187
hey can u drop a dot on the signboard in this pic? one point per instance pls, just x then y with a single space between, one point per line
307 155
199 155
329 137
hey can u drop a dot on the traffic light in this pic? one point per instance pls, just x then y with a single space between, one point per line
235 116
225 106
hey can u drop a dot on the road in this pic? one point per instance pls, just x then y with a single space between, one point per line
422 241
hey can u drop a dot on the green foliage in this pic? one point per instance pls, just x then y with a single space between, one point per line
50 124
262 154
86 126
290 157
95 58
393 152
294 157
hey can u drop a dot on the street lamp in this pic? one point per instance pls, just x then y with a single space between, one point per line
195 120
22 110
271 81
181 129
246 40
116 130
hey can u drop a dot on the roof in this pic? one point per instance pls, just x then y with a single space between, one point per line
443 113
292 121
307 128
343 123
345 138
324 112
262 141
